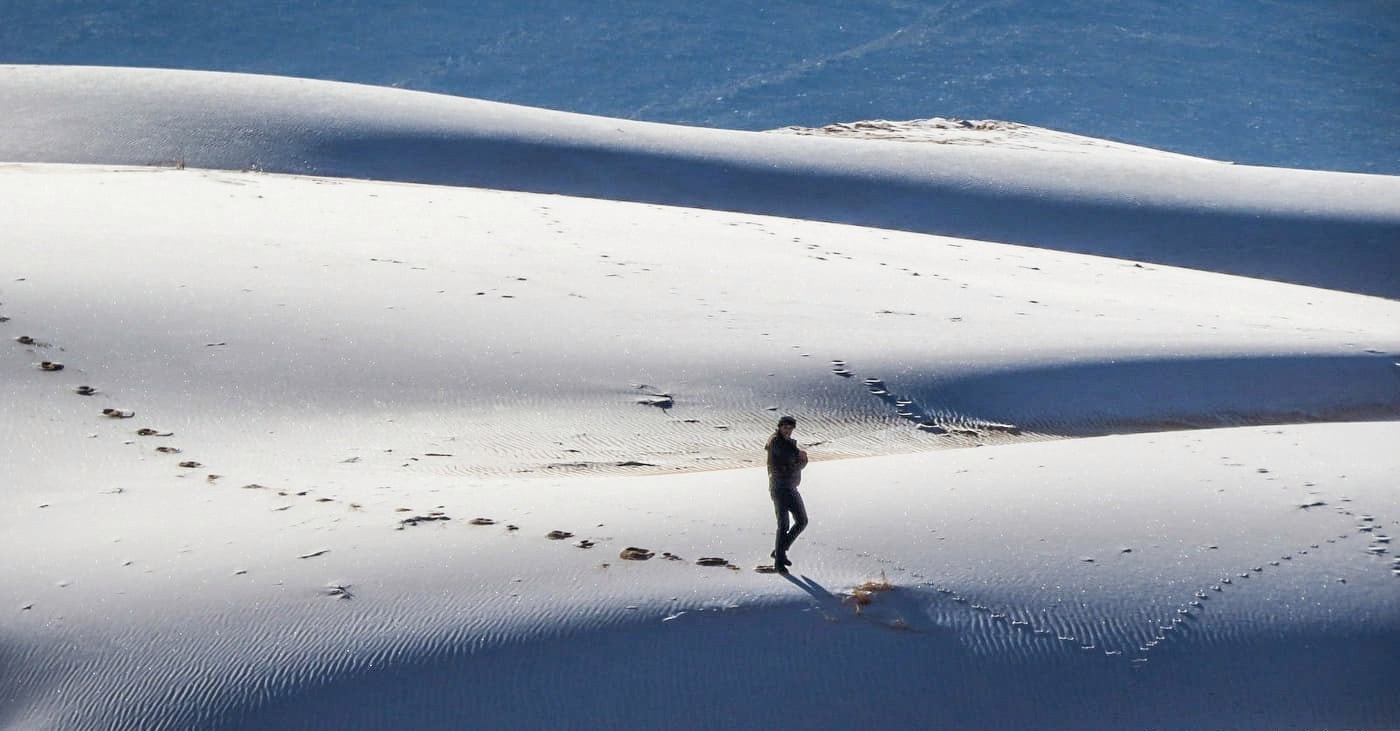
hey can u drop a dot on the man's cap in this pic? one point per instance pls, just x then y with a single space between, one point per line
787 420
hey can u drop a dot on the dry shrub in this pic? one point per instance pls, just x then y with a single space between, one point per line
873 586
864 595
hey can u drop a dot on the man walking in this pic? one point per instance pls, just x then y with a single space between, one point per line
785 463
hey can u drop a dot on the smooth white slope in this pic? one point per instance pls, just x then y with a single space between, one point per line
339 356
1031 592
1042 191
522 332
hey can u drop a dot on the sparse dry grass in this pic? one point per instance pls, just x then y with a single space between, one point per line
872 586
864 595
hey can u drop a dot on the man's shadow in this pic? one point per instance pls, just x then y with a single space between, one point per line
805 583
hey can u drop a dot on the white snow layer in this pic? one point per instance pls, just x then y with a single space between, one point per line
1104 491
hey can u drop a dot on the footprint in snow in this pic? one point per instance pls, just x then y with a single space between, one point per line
433 517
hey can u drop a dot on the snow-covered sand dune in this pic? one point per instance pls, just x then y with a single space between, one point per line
1048 189
319 382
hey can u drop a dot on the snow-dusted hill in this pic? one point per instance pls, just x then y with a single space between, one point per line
317 438
1044 190
1288 83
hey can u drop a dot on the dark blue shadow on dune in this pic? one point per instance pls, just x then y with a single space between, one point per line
1095 398
1342 252
788 668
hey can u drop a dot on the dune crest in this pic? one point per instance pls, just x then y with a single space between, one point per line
1256 222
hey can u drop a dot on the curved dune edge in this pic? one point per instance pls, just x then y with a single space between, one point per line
1085 568
982 132
1256 222
499 332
